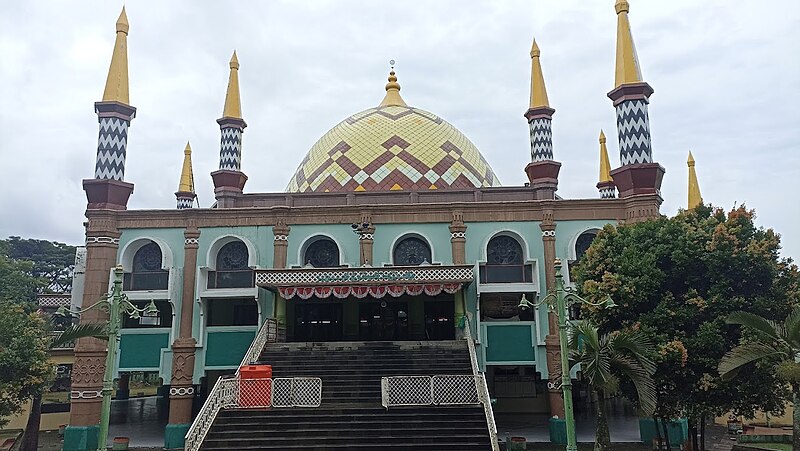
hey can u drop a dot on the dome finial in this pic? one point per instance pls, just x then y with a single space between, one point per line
392 97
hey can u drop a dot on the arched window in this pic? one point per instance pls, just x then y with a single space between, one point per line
583 242
505 262
147 273
411 251
232 267
322 253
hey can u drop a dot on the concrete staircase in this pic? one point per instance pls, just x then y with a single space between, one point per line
351 415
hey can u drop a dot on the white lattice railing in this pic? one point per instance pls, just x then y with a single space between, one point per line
440 390
268 333
483 389
236 393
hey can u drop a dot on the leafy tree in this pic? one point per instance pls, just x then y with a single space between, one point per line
16 283
52 261
607 359
777 345
24 363
55 339
678 279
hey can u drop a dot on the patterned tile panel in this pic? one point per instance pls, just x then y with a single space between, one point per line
384 148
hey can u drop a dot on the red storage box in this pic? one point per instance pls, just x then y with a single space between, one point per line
255 386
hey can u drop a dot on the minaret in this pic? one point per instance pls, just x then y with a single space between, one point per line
108 190
695 198
229 180
638 173
606 184
542 171
186 194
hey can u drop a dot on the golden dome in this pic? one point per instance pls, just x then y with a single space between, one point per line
392 147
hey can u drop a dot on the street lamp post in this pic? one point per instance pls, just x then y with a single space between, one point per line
558 301
115 304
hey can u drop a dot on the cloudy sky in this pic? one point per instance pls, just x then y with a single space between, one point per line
726 76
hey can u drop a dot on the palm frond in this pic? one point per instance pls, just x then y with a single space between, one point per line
642 380
747 353
637 345
76 331
792 327
755 322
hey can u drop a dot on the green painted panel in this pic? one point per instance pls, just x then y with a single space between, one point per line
509 343
227 348
141 350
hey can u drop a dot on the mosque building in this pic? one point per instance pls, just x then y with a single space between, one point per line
394 227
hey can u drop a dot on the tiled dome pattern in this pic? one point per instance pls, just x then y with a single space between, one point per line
392 148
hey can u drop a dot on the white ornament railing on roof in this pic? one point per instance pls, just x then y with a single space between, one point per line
402 275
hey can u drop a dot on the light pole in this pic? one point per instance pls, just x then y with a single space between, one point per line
558 302
115 304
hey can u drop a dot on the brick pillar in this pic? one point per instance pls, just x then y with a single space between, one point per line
552 346
182 391
458 238
279 260
102 243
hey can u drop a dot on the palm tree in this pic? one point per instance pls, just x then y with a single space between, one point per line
56 339
773 342
606 359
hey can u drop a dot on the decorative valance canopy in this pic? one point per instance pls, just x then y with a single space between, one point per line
341 283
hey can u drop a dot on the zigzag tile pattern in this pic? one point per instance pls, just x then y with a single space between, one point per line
541 139
185 202
230 149
633 130
392 148
609 192
111 145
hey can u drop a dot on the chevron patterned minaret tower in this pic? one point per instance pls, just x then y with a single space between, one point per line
108 189
542 171
185 194
638 173
606 184
229 180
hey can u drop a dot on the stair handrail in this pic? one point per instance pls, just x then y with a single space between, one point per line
268 333
224 393
480 380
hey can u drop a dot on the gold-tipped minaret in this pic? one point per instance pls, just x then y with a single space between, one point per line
538 90
233 103
627 68
185 194
606 183
117 82
392 97
695 198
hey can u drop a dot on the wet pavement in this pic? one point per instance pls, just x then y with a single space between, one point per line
140 419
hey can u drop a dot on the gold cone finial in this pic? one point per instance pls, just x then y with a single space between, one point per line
186 184
116 89
627 68
605 165
392 97
538 90
233 103
695 198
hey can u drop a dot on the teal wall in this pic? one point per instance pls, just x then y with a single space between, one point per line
142 350
437 235
341 233
227 348
509 343
172 237
261 237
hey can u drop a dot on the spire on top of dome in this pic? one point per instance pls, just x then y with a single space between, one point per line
117 82
695 198
233 104
538 90
627 69
392 97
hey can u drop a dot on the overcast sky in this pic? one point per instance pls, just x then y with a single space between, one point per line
726 76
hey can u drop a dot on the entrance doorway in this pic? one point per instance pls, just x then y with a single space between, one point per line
370 319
